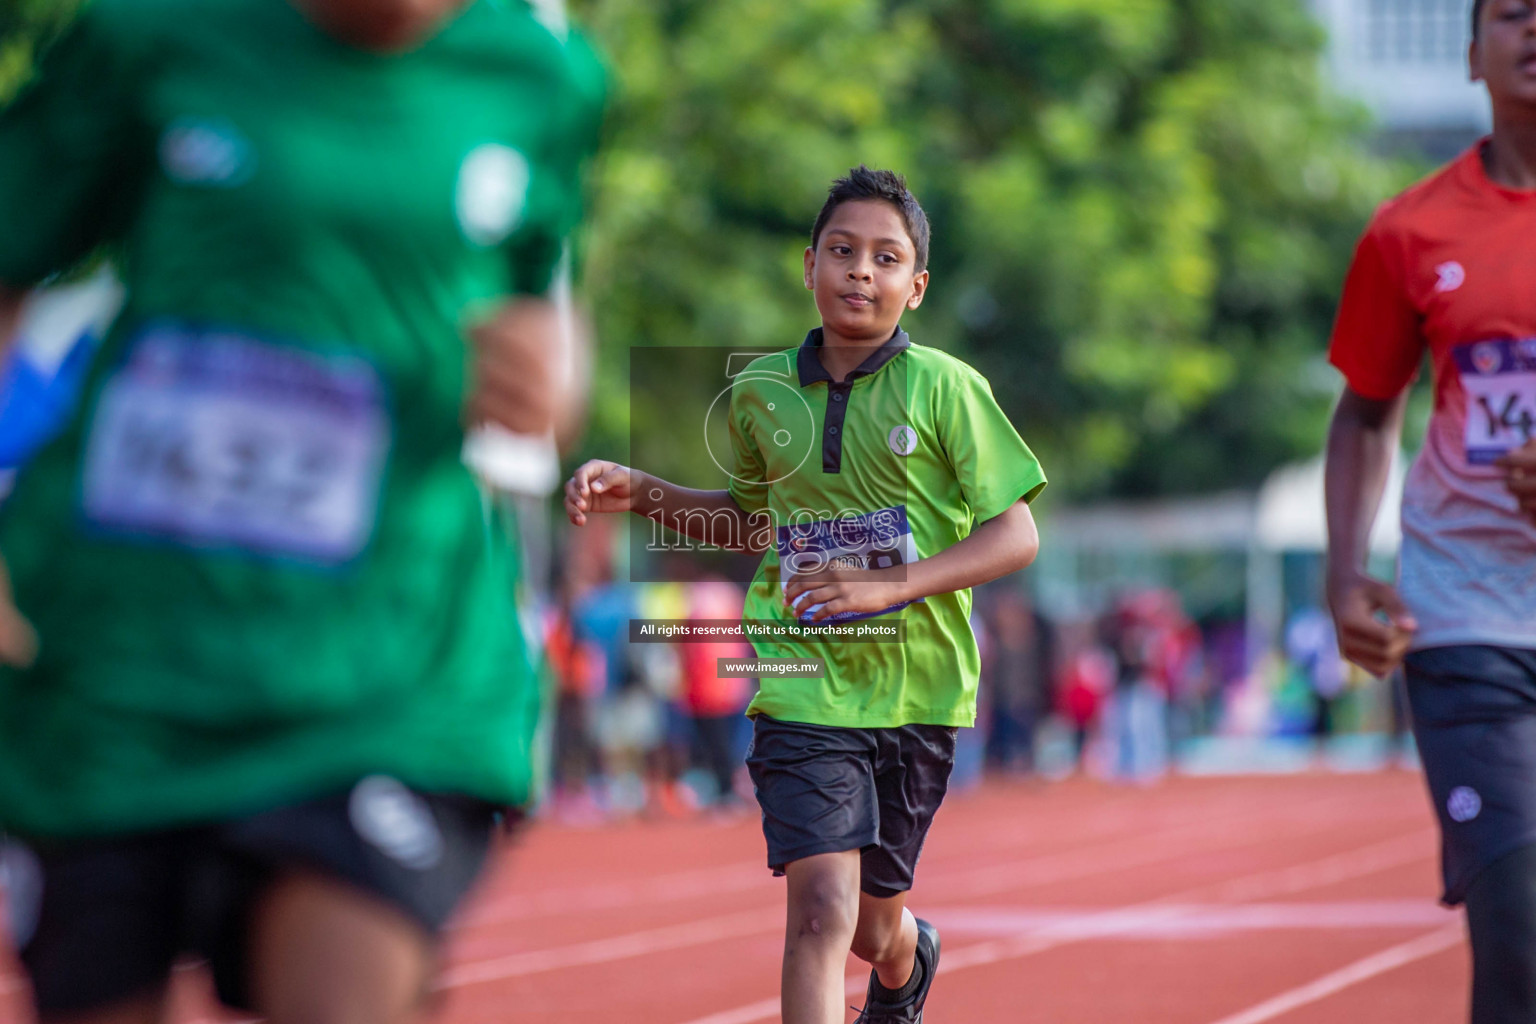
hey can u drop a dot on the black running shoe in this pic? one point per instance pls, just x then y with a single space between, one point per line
910 1009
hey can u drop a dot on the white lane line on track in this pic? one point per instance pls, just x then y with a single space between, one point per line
1356 863
1190 921
681 885
621 947
1035 871
738 877
1361 970
747 875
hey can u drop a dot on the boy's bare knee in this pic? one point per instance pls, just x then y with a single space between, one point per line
824 908
323 954
823 904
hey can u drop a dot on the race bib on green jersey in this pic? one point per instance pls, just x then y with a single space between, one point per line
209 438
876 540
1499 378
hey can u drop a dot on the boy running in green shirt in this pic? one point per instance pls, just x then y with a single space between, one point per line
262 686
921 493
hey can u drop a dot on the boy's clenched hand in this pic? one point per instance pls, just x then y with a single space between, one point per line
860 591
598 487
1519 468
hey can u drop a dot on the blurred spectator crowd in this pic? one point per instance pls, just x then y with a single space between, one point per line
1122 694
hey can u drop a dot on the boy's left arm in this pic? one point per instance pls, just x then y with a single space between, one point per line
997 547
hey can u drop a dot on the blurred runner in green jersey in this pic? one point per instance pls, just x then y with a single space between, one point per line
266 689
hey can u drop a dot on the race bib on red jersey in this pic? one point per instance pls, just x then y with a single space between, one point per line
876 540
1499 378
211 439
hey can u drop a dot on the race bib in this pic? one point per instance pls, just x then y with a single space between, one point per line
1499 378
876 540
214 439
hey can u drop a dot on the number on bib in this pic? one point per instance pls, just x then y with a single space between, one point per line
214 439
1499 378
876 540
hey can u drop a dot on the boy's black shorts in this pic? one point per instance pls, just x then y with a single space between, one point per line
101 921
825 790
1474 718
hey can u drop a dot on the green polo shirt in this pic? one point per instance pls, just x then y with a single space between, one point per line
257 565
895 463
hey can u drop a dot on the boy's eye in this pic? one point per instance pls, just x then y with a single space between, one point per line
886 257
841 250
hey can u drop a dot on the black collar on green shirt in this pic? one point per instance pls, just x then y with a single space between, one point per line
840 392
811 370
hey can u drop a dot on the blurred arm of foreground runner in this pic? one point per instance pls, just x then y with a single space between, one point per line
18 641
520 377
1373 624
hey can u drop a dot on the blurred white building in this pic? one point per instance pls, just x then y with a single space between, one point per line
1407 60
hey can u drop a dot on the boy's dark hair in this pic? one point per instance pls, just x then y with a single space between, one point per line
1477 16
888 186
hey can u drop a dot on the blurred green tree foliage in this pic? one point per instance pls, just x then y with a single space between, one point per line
23 25
1142 210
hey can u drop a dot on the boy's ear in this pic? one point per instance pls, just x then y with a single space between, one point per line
810 268
1474 62
919 289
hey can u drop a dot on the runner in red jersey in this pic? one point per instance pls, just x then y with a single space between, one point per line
1448 269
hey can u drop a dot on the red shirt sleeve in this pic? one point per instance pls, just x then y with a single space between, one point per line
1377 340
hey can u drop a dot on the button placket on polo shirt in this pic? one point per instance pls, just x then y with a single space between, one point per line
838 397
840 393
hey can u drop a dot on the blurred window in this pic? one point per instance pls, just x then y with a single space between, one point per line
1414 32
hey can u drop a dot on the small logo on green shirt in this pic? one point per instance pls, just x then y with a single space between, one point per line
206 151
903 440
492 193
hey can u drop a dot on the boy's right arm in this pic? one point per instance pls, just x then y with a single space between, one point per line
1373 624
18 642
711 517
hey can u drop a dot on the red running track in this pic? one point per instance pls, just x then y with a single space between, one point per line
1303 900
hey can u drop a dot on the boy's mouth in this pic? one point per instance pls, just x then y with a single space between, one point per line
858 299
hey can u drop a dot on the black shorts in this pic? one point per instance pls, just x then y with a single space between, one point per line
101 921
1474 718
826 790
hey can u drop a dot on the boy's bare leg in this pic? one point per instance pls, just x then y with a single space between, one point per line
325 954
819 929
886 938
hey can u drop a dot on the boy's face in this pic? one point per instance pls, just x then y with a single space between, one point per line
863 270
1504 53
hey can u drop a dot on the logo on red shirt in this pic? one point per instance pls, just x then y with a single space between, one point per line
1452 276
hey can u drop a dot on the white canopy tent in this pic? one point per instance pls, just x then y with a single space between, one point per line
1286 514
1289 513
